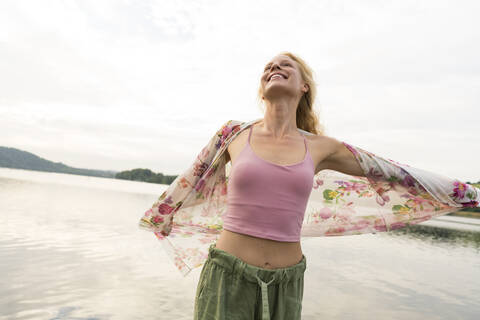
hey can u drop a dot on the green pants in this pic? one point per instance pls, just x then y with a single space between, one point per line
231 289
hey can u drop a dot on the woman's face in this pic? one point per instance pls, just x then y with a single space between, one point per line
281 76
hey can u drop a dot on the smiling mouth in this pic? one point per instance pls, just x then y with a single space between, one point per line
277 76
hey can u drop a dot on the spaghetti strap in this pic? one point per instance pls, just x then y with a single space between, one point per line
305 142
250 133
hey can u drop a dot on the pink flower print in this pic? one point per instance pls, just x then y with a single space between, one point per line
148 212
335 231
352 186
184 183
380 190
199 168
392 184
397 225
382 199
412 190
157 219
210 171
374 175
168 200
424 218
459 191
318 182
200 185
420 200
164 209
362 224
471 204
226 131
380 225
408 181
325 213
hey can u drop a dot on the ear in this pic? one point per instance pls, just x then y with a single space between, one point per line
305 88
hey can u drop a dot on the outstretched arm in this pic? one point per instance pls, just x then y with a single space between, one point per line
339 158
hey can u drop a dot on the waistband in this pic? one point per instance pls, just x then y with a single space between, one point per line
250 272
263 277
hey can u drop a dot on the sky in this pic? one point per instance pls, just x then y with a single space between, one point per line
118 85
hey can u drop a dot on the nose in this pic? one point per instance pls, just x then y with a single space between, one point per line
273 66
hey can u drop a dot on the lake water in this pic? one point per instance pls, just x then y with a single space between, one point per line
70 248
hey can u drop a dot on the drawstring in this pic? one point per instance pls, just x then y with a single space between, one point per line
265 308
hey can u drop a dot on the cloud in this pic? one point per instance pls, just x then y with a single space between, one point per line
121 80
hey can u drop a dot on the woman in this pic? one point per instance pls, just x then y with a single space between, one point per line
272 145
247 236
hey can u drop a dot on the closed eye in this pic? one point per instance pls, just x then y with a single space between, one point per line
283 64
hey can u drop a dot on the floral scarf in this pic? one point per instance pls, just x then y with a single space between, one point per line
187 217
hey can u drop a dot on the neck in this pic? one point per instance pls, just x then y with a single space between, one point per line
280 119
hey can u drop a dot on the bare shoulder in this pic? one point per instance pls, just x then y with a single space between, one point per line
336 156
321 149
237 143
324 141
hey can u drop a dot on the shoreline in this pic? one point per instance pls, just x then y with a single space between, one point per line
466 214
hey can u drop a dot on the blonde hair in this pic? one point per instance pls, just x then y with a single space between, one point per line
307 118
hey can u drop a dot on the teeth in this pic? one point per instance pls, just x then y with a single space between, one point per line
276 76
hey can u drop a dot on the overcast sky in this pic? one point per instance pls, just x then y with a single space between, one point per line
117 85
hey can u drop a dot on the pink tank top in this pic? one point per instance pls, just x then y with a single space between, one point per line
265 199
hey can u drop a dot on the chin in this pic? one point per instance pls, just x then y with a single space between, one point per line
279 89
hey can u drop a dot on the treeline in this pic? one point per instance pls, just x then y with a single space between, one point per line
145 175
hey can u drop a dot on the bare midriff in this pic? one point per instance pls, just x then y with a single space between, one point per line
263 253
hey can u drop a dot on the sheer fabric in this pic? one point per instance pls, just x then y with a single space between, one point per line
187 216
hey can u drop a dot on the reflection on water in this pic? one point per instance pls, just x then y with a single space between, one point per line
70 249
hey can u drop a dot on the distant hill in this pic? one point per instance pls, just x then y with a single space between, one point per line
19 159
